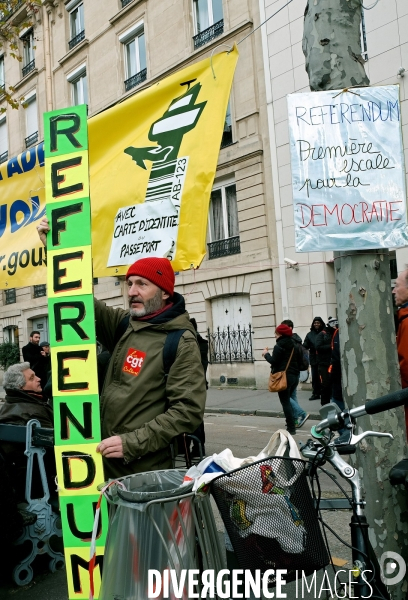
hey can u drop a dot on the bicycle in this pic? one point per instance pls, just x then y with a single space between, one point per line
322 449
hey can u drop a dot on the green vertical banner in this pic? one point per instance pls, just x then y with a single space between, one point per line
73 343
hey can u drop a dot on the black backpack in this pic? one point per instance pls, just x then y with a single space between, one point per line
303 357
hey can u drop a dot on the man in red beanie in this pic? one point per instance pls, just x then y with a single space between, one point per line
142 408
145 404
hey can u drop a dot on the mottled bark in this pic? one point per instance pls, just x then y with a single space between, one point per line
331 44
370 369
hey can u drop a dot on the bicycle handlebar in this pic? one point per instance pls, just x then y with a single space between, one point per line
387 402
371 407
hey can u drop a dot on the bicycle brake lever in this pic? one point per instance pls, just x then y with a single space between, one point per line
355 439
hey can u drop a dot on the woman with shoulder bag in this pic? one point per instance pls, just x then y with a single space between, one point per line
285 362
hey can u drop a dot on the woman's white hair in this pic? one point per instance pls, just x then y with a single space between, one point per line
13 378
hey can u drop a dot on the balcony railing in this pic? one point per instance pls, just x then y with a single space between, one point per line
29 67
135 80
208 34
10 296
230 345
3 157
126 2
40 290
224 247
31 139
76 40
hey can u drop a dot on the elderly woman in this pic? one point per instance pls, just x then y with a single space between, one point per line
24 401
282 357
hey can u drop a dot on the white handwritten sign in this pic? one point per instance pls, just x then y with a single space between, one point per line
348 171
151 228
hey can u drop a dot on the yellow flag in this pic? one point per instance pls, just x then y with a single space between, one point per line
22 204
152 165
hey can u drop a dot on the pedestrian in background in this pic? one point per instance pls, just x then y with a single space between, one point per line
310 344
323 347
300 415
284 357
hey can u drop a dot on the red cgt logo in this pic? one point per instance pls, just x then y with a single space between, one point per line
133 361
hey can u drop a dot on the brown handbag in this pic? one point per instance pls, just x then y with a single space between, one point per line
278 381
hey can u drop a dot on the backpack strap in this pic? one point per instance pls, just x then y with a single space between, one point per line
170 349
120 330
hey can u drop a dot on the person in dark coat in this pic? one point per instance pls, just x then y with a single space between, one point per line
279 359
45 363
323 347
35 354
24 401
300 415
310 344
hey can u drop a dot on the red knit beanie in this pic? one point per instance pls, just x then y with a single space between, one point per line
284 330
157 270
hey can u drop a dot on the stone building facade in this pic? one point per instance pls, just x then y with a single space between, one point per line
101 52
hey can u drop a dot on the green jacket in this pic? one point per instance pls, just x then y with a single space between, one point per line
137 403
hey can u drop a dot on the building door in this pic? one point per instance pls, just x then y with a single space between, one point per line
231 311
41 324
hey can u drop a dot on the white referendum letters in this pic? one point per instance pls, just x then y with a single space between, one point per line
151 228
348 174
240 583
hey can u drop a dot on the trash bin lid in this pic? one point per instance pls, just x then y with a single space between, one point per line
152 485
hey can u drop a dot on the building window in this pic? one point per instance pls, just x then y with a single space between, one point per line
28 53
224 228
126 2
227 133
40 290
134 47
80 90
31 121
209 21
79 85
3 140
2 75
76 23
10 296
10 334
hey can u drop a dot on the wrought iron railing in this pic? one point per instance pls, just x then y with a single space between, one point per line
208 34
10 296
135 79
3 157
40 290
75 40
224 247
31 139
230 345
126 2
29 67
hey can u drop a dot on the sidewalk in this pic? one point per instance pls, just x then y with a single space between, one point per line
259 402
241 401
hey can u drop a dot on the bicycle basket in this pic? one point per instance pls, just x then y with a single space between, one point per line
268 513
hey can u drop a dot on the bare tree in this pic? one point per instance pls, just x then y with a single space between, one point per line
332 47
